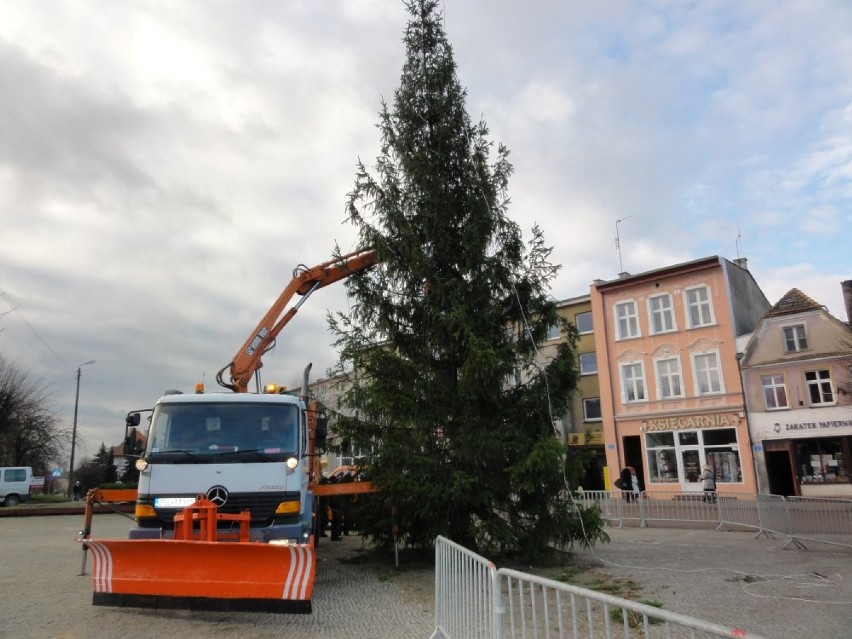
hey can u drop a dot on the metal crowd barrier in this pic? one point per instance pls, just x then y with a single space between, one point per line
475 600
472 600
819 519
538 607
773 515
608 502
670 506
826 520
464 593
740 511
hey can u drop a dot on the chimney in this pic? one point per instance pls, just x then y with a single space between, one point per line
742 262
847 299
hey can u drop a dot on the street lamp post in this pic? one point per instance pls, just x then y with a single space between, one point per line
74 427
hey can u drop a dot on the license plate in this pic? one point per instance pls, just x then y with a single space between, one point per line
173 502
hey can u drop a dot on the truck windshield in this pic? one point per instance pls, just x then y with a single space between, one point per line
223 430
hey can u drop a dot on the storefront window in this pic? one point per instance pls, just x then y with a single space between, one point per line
680 458
662 457
822 461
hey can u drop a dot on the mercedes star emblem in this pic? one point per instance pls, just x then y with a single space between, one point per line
218 495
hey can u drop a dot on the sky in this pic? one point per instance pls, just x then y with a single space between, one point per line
165 165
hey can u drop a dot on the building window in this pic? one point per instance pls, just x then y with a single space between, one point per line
583 322
662 458
794 338
627 322
708 376
553 331
822 461
722 452
673 459
774 392
668 378
588 363
592 409
699 310
661 314
633 382
819 387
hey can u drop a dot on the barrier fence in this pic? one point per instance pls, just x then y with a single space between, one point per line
799 519
473 600
822 520
464 593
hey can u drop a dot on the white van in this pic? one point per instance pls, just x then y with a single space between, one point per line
15 482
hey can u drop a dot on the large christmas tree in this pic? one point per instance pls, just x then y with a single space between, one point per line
448 394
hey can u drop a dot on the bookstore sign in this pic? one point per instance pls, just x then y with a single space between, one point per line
692 422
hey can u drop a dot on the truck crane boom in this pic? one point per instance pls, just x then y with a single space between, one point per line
248 358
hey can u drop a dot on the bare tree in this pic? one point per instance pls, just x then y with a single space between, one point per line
30 432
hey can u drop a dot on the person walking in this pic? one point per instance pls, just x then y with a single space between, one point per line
628 483
708 479
623 483
634 484
78 491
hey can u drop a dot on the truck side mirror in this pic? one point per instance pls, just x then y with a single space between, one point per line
133 419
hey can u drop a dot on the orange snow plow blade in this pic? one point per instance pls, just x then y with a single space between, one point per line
200 575
196 571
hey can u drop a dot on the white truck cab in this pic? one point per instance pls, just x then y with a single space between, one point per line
242 451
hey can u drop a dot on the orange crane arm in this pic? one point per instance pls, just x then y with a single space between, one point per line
305 281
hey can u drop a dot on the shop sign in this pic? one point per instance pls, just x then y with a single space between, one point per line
692 422
827 424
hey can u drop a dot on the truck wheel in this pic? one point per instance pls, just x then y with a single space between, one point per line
12 500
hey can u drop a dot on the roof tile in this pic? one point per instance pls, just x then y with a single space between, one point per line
794 301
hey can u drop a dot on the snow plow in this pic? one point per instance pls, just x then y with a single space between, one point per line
226 507
202 568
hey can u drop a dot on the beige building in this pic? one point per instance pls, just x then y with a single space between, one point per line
797 372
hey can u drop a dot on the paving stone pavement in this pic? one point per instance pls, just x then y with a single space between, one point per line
43 596
730 578
734 579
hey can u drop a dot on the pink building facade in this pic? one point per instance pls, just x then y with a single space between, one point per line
670 384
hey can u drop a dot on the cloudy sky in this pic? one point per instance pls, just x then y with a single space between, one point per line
165 165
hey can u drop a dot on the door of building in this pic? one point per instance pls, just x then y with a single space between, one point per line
690 469
780 472
633 456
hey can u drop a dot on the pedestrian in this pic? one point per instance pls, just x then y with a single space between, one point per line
78 491
708 479
628 483
623 482
633 485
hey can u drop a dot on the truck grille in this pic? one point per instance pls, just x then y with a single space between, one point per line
261 505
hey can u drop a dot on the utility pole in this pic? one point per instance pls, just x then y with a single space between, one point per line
74 428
